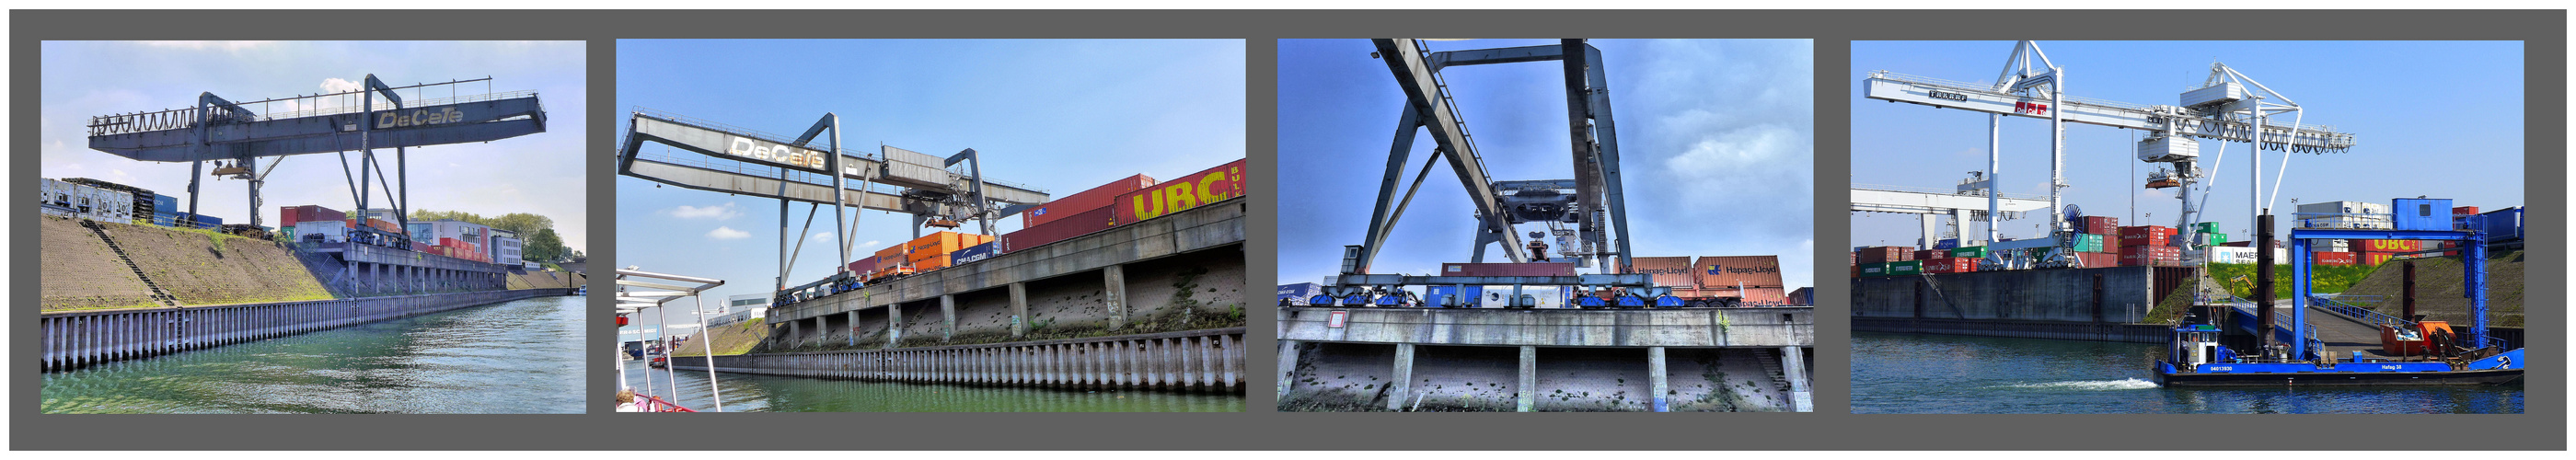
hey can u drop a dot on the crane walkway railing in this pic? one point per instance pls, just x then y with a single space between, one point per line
275 109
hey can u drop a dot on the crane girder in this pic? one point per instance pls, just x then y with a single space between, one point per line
1414 74
151 137
2174 120
762 150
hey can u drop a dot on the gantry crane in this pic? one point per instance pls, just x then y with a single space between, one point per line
2228 107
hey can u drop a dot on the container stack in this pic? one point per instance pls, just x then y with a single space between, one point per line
1869 261
2375 252
2148 246
292 215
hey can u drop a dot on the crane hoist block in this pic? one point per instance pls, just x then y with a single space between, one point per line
2166 149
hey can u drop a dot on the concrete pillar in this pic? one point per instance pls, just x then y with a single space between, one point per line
1403 381
1115 278
795 334
1019 309
1793 361
1528 387
947 317
1655 375
822 329
894 325
854 328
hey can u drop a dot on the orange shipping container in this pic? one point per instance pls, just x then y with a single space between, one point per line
1221 183
1752 296
1726 271
934 263
1668 271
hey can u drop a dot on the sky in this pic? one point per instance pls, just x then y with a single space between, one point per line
1715 136
538 174
2438 119
1059 115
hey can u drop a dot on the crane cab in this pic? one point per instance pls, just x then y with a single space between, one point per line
2197 344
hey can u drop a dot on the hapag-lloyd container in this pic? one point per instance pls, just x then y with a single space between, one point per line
1508 269
1728 271
1668 271
1180 194
1078 202
1059 230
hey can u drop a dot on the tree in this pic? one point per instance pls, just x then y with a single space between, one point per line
544 246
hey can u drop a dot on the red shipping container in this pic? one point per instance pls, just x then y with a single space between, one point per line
1216 184
1885 254
1059 230
2464 211
2147 235
1731 271
864 265
2388 246
1669 271
1929 254
2098 259
1079 202
2337 258
1508 269
2099 225
1951 265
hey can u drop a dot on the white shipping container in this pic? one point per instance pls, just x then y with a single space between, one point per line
332 231
2167 148
2214 94
2235 255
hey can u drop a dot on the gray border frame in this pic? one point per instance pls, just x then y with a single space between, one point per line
2542 427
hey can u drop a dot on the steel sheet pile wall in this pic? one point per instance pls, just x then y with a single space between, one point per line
80 338
1204 360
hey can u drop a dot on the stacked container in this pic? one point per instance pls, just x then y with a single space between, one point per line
1187 192
288 216
2337 258
1884 254
1083 201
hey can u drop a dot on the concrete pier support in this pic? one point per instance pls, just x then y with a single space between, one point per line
1114 278
1402 383
947 317
795 334
1019 309
822 330
1528 389
894 325
1793 362
1655 376
854 328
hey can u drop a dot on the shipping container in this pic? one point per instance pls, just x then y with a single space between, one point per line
2098 259
1929 254
1871 270
2457 211
2148 235
1950 265
933 263
1906 268
972 253
2087 242
1749 297
1508 269
1468 296
328 231
1060 230
2098 225
293 214
1668 271
1086 200
1884 254
864 265
2389 246
2337 258
1300 292
1729 271
1975 252
1946 244
1221 183
2422 214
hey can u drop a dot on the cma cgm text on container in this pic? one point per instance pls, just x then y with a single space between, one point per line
1221 183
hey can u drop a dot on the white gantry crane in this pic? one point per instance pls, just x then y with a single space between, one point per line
2228 107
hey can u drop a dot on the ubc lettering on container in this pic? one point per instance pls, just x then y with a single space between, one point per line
1181 194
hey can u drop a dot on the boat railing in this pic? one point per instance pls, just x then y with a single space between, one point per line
648 403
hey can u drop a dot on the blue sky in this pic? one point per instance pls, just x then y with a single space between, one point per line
1716 145
2443 119
1060 115
539 174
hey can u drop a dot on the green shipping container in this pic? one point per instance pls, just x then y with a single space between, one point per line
1906 268
2086 242
1969 251
2206 227
1873 270
2217 239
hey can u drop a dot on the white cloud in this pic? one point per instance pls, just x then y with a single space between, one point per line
237 45
870 243
823 236
717 212
727 233
339 85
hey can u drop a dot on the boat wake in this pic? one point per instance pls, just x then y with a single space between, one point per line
2091 385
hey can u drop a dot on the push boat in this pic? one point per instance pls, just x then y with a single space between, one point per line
2196 358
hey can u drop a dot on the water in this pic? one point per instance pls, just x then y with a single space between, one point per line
517 357
1923 373
764 393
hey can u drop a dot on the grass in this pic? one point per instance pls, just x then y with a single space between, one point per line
2326 279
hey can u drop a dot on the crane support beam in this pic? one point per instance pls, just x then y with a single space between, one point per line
1446 59
712 180
235 137
1413 72
924 173
1901 202
2171 119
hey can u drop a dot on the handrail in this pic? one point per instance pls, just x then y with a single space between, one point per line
648 403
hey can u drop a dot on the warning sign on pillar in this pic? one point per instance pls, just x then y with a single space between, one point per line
1338 318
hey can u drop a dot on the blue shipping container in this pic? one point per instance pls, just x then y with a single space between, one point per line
1474 294
1300 291
971 254
2503 224
2433 214
1947 244
164 219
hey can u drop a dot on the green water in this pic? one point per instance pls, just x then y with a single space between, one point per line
763 393
517 357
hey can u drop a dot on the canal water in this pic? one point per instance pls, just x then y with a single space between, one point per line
1924 373
519 357
765 393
